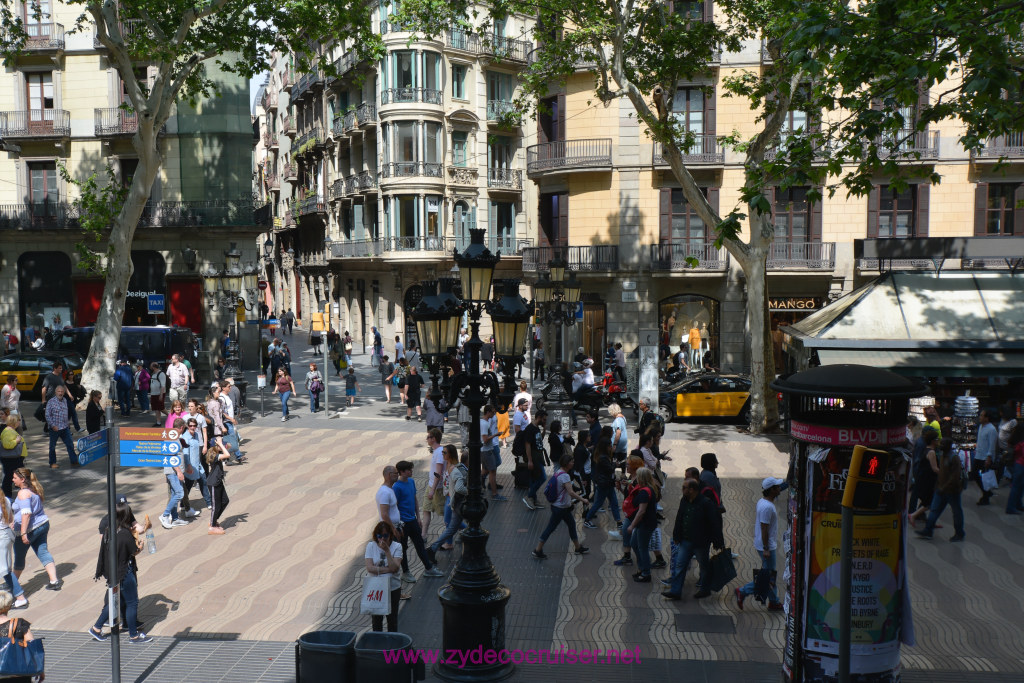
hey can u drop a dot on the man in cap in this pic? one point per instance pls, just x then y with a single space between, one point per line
766 527
521 420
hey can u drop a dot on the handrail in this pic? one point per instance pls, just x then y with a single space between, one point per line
582 258
35 123
569 154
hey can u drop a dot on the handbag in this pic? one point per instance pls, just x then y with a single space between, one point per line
721 570
376 595
989 480
40 413
18 657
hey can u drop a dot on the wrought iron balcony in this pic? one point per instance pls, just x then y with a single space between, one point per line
356 249
310 205
289 220
273 181
507 49
599 257
35 123
569 155
39 216
337 189
269 100
212 213
505 178
44 37
337 125
498 110
115 121
802 256
400 95
402 169
288 125
910 145
438 245
466 41
287 80
463 175
291 172
366 114
1009 146
705 149
366 181
349 120
673 256
351 184
508 245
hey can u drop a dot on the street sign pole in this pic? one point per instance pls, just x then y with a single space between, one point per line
112 586
327 396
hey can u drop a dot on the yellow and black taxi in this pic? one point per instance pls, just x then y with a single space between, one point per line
30 367
707 395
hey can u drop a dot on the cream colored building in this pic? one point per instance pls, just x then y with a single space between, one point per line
378 174
59 106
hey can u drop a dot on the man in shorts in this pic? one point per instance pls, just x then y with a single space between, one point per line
433 500
488 458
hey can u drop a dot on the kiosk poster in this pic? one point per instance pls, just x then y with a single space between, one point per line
877 565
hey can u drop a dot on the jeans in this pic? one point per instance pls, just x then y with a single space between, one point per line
285 395
143 400
124 399
535 483
199 481
601 494
939 503
37 541
13 587
681 556
769 564
538 368
1015 502
129 602
413 532
314 401
177 492
65 436
72 413
559 515
640 541
449 533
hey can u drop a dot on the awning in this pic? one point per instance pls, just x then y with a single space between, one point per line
930 363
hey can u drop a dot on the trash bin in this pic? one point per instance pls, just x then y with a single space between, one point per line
370 663
325 656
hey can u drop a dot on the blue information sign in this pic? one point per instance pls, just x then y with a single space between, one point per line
155 303
579 310
149 447
92 447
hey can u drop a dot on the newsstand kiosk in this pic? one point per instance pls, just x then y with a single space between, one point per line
830 410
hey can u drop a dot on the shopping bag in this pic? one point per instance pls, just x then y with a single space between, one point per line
376 595
721 570
764 581
989 480
20 658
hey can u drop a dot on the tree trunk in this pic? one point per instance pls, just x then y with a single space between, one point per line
100 363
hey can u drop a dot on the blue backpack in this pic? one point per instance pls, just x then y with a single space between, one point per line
551 491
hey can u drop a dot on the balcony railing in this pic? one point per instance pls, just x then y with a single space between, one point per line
505 178
402 169
337 189
273 182
346 63
395 26
269 99
673 256
911 144
213 213
463 175
357 249
114 121
349 120
1009 146
499 109
314 135
310 205
366 180
288 125
591 258
351 184
35 123
43 37
569 154
400 95
419 244
291 171
508 245
705 149
463 40
802 256
366 113
507 48
287 80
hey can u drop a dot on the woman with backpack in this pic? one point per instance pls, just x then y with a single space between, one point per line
561 495
950 480
603 473
315 386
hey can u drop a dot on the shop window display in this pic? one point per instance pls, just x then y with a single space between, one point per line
693 322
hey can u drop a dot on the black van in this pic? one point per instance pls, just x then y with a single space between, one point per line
156 343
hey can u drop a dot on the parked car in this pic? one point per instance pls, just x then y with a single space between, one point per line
156 343
707 394
30 367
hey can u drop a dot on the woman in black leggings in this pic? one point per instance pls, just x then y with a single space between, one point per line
215 457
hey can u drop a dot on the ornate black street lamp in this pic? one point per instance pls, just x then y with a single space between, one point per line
557 299
437 318
474 598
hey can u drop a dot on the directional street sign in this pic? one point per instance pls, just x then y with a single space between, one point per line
149 447
92 447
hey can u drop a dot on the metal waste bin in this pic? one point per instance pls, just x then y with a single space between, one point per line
325 656
372 666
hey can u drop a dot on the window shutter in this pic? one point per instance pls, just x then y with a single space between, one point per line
472 219
561 118
1018 210
563 219
492 219
709 11
873 197
815 228
921 210
980 207
665 215
713 199
709 113
922 101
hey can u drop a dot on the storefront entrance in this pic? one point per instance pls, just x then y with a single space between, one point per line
44 290
692 321
593 334
786 311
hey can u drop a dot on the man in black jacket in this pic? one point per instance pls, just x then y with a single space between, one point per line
698 526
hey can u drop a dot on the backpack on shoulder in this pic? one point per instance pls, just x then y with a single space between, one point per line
951 478
551 489
519 445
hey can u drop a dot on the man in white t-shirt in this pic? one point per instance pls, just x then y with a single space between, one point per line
433 499
521 420
387 502
179 379
766 528
488 453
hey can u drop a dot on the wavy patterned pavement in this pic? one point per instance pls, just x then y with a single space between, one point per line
302 509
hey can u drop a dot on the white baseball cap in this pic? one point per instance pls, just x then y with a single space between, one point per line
772 481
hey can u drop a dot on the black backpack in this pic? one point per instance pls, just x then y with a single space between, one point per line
519 445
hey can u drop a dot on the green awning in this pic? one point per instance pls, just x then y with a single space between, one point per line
931 363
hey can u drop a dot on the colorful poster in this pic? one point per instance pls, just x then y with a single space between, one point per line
877 590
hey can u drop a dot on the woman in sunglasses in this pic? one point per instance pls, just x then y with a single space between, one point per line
384 556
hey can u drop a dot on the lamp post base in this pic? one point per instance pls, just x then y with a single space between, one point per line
474 617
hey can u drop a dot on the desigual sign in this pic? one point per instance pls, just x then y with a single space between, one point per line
795 303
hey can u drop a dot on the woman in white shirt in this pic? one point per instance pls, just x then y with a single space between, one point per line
384 556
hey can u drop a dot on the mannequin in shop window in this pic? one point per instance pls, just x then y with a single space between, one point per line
695 339
704 345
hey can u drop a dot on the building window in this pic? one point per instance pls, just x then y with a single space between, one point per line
42 179
502 224
500 87
458 81
39 87
895 213
689 10
405 75
405 218
499 152
464 219
1001 208
128 169
431 71
459 146
686 224
688 109
405 141
792 215
432 143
